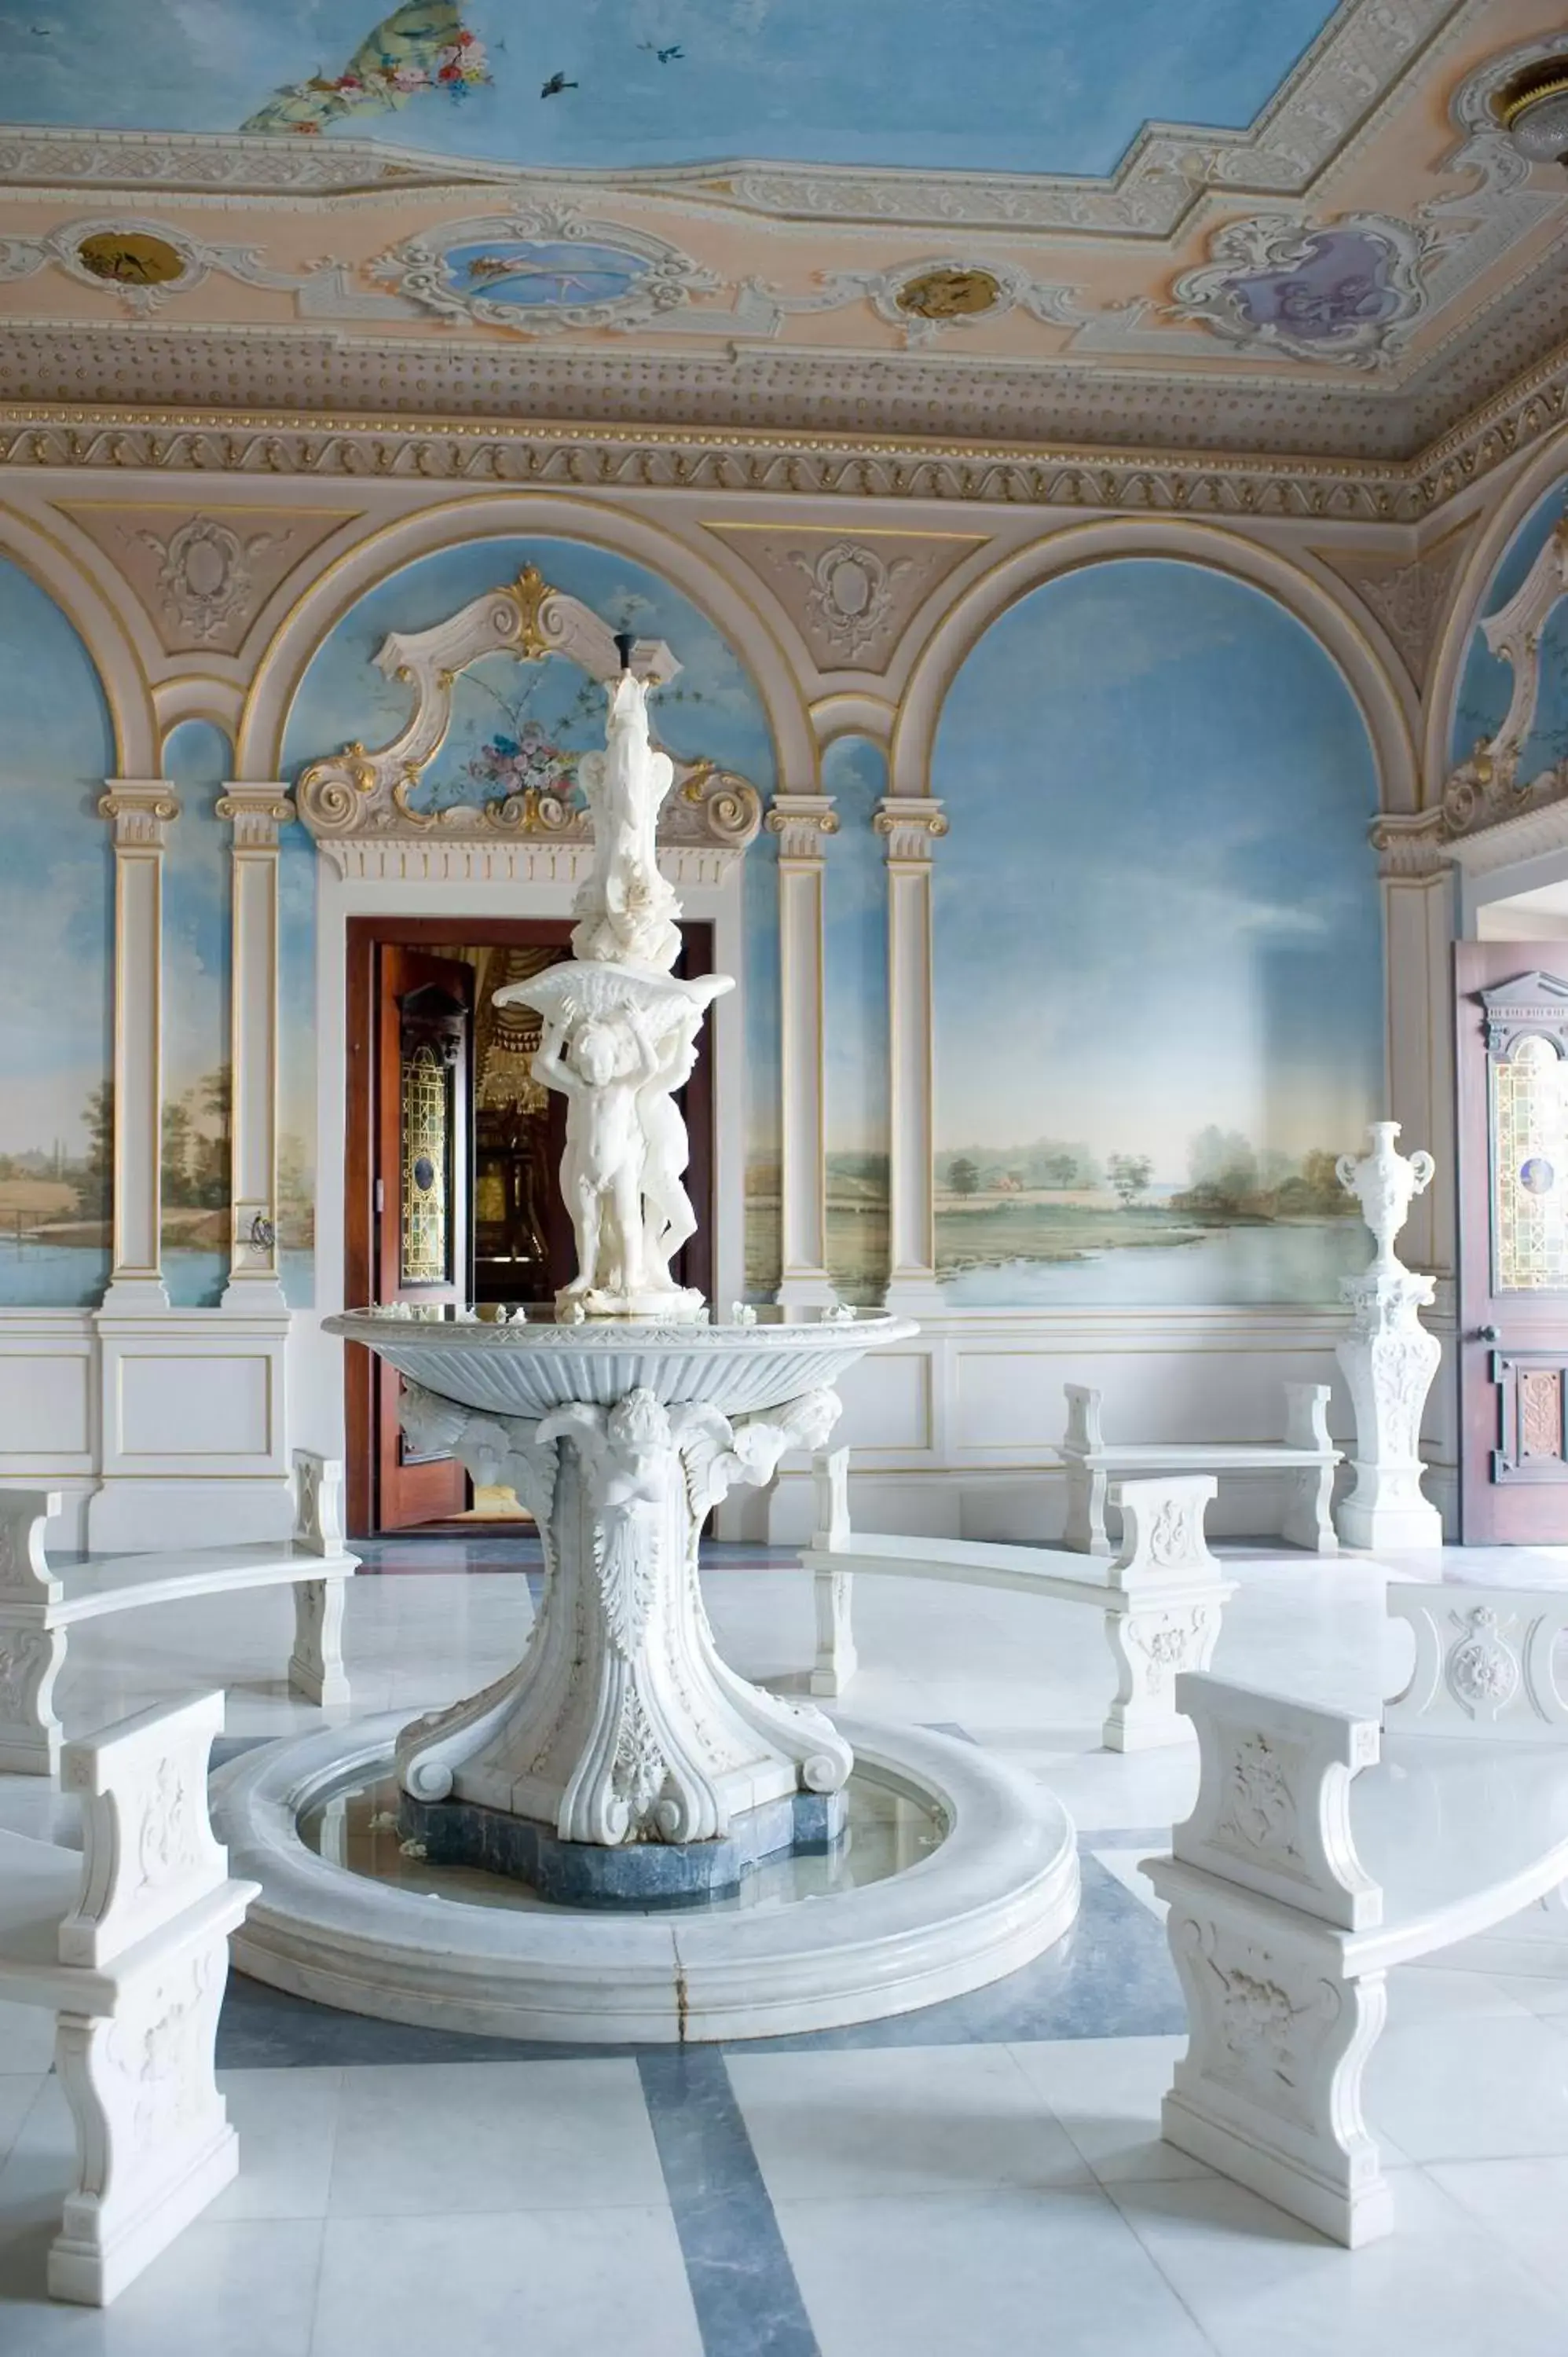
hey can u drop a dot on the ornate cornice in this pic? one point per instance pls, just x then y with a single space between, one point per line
458 454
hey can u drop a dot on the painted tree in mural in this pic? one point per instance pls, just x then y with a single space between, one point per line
1130 1175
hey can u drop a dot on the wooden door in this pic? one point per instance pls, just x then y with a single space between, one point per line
394 958
421 1196
1512 999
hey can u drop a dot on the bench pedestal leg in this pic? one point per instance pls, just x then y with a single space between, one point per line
1308 1519
1151 1645
153 2141
836 1660
1086 1490
316 1666
1269 2091
31 1658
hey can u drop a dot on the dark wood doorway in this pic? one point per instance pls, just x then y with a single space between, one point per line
438 1078
1512 1001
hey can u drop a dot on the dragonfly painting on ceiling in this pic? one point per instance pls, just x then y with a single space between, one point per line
542 274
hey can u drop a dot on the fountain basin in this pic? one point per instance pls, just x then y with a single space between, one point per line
526 1371
1000 1889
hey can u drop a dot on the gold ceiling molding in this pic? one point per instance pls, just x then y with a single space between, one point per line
203 576
849 594
489 455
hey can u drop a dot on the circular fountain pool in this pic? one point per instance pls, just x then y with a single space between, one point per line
954 1872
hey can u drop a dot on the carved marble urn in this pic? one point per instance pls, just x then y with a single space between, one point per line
1385 1183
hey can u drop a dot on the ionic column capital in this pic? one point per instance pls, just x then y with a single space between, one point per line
801 822
909 824
255 812
138 810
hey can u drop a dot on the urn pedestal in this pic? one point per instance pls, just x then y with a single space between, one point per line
1388 1360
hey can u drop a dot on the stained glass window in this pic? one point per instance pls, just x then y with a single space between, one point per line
1529 1168
427 1153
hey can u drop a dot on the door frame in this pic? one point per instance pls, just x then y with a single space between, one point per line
364 935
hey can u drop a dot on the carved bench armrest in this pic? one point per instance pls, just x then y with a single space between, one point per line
26 1580
319 1502
149 1854
1274 1799
1307 1418
1084 1433
1484 1662
1161 1527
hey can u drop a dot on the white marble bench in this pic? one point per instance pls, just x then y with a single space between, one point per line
40 1602
1307 1453
126 1941
1161 1598
1325 1848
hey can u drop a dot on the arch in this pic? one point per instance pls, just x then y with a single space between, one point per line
1548 467
1387 714
199 695
516 515
108 644
853 713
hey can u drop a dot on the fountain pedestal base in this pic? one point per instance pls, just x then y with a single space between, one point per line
637 1874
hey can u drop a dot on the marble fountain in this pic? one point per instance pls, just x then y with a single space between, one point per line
621 1838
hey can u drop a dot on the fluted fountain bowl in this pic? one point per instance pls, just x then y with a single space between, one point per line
526 1371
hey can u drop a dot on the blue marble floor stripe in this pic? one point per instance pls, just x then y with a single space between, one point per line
747 2302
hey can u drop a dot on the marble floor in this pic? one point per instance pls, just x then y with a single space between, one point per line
985 2176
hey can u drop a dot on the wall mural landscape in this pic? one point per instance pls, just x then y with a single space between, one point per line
514 726
1158 951
612 84
57 911
197 931
854 947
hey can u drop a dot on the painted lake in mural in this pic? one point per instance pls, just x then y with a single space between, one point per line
1158 951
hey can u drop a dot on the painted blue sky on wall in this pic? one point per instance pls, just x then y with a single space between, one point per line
1486 684
57 887
995 85
1158 947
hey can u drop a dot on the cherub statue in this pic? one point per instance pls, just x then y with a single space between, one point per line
668 1219
600 1069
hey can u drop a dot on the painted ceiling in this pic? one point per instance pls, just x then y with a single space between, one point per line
987 86
1259 225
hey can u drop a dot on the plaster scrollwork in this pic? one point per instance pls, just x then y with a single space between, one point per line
142 262
1259 1816
363 792
545 270
1348 290
929 299
205 577
850 593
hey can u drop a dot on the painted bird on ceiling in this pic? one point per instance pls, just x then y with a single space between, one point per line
555 85
663 55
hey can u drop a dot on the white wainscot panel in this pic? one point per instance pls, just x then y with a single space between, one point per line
886 1401
45 1409
196 1408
